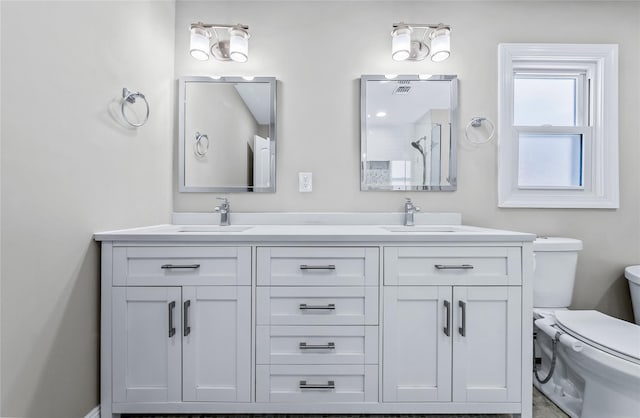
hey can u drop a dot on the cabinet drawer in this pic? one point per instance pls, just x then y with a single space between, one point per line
317 266
317 345
310 384
175 266
452 266
317 305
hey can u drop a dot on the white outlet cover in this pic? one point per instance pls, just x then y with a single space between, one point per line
305 182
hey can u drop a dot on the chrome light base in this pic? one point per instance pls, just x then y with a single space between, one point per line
220 50
419 51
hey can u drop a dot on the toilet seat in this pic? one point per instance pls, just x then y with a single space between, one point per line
614 336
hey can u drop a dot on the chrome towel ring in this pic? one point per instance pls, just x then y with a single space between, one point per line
476 122
129 96
201 145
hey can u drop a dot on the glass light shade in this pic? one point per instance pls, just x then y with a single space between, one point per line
401 44
199 45
238 45
440 44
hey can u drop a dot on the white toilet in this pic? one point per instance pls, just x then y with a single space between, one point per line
632 273
597 366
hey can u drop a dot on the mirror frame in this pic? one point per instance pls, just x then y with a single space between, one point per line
182 83
453 168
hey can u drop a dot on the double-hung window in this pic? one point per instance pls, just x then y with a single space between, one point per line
558 126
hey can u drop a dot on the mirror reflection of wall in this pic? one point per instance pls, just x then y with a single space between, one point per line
237 117
407 141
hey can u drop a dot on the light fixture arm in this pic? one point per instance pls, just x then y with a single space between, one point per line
218 26
423 25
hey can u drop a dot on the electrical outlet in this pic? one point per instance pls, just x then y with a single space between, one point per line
305 182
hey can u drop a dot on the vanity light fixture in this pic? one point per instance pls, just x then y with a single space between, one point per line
232 47
408 43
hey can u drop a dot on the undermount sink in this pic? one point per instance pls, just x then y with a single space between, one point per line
212 228
422 229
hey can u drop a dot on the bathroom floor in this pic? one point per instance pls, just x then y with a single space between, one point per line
542 408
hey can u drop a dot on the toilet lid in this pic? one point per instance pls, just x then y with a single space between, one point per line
615 336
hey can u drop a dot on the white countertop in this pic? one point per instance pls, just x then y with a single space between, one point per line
343 228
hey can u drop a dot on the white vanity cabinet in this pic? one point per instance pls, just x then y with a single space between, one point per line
317 324
444 342
172 344
294 319
180 324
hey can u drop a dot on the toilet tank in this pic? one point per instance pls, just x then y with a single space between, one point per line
555 271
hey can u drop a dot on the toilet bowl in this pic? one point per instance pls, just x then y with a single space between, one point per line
597 367
597 370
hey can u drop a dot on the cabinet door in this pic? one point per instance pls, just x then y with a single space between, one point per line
146 344
217 343
486 366
416 347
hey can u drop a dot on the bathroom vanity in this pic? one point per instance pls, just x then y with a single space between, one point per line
277 316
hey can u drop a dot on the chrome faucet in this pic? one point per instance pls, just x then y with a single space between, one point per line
224 210
409 210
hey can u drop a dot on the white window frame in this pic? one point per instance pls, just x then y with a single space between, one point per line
599 62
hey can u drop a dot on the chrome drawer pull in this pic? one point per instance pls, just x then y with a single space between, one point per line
179 266
447 328
462 330
185 316
328 346
330 385
305 307
172 328
327 267
453 266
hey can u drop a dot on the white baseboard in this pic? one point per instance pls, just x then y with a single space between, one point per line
94 413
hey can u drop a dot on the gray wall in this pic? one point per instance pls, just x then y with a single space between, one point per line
69 169
318 50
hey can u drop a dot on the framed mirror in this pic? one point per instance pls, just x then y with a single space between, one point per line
408 132
226 134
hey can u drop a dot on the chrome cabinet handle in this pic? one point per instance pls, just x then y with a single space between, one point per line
187 328
453 266
328 346
327 267
305 307
172 328
330 385
462 329
179 266
447 328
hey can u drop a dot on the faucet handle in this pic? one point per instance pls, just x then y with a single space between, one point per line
408 205
224 205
